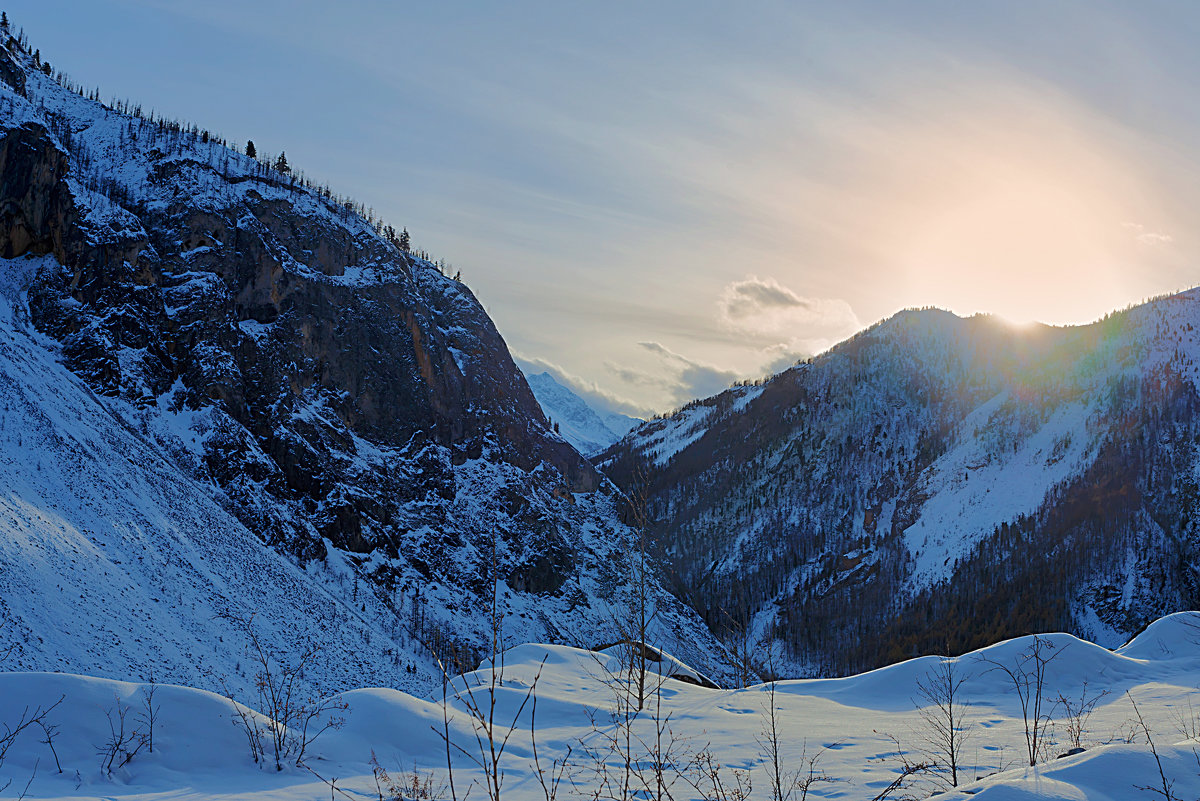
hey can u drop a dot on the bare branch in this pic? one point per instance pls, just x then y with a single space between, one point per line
28 718
1167 788
907 769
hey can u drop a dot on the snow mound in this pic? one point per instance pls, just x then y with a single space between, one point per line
1173 636
1074 662
1112 773
201 752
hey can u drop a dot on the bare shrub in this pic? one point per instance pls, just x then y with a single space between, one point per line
549 778
124 741
28 784
406 785
635 627
942 707
149 713
37 716
905 771
1187 723
29 717
295 721
787 783
1027 673
716 782
49 732
492 731
245 720
739 638
1078 712
631 752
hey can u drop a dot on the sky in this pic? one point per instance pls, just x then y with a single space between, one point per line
653 200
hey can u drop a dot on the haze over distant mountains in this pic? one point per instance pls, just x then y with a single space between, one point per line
588 428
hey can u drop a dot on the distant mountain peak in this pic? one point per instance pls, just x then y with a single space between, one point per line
587 427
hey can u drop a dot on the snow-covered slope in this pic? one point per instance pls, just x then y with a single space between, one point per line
589 429
940 479
660 440
115 562
231 392
845 725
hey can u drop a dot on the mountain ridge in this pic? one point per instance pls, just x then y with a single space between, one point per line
346 404
926 469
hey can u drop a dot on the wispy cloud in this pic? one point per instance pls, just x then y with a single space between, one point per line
675 377
781 357
760 316
1147 237
742 190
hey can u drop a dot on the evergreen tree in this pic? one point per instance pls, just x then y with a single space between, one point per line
4 20
405 242
250 150
281 163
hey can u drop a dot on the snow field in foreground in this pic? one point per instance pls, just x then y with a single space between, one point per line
200 748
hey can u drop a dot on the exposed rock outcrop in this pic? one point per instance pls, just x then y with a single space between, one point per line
340 393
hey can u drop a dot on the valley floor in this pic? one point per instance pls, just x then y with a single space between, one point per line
200 746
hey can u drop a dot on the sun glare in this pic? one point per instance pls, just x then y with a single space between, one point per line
1030 222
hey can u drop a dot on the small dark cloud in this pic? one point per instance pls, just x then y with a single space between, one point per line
766 311
744 298
662 350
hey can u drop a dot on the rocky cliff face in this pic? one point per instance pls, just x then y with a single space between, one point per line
342 395
938 483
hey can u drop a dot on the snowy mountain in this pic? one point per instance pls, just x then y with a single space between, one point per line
833 735
938 482
589 429
229 395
